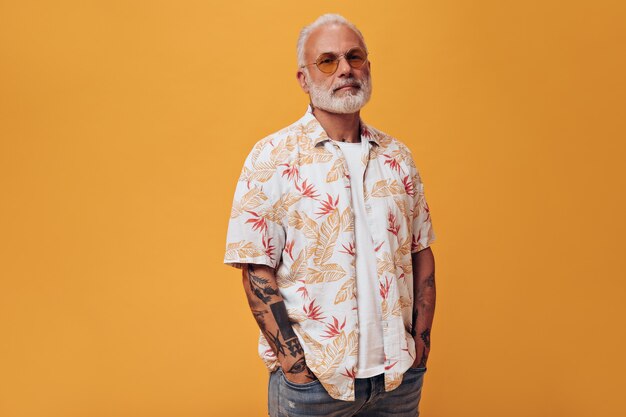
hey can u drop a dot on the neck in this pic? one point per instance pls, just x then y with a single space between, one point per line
340 127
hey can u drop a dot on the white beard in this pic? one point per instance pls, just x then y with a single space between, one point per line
342 102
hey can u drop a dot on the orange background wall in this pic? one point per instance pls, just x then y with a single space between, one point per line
123 128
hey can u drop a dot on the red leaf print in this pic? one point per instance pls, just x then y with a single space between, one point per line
289 248
258 223
388 367
307 190
328 206
313 312
291 172
392 162
379 246
384 288
302 290
365 131
393 227
408 186
350 373
349 250
334 329
269 248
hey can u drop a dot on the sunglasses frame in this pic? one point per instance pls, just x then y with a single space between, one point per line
337 59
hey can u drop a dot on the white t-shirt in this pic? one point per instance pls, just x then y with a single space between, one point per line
371 359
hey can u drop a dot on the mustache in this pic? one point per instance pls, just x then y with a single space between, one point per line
354 83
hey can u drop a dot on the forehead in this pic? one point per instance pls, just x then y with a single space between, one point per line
331 38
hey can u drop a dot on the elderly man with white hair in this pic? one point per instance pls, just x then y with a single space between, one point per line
332 231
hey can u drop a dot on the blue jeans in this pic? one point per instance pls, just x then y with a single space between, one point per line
286 398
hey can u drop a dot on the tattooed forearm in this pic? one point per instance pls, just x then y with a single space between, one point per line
423 303
270 313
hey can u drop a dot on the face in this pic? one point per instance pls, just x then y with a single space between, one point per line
348 89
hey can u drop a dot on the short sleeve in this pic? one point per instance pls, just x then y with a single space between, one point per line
255 234
423 233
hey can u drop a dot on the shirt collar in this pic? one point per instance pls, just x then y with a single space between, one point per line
314 130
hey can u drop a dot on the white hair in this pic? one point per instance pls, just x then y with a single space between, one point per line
325 19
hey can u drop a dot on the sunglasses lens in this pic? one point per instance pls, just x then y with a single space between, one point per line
327 63
356 57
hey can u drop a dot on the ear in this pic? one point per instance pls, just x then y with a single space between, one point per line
303 81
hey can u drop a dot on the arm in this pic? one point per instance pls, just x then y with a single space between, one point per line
423 303
268 307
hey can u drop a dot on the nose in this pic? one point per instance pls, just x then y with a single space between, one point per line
343 68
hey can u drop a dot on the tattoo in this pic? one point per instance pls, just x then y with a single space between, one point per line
258 316
425 335
430 280
282 319
274 340
422 363
294 347
260 286
298 367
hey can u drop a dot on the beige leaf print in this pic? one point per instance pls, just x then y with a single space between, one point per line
397 309
328 233
352 347
384 140
250 200
385 309
400 155
279 153
335 171
326 273
406 267
347 291
295 272
296 316
385 263
402 205
316 347
333 356
384 188
404 248
242 249
279 210
302 222
262 171
315 156
346 220
405 302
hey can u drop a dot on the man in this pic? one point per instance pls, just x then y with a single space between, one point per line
332 231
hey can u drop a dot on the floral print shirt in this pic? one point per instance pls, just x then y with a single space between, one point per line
292 211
